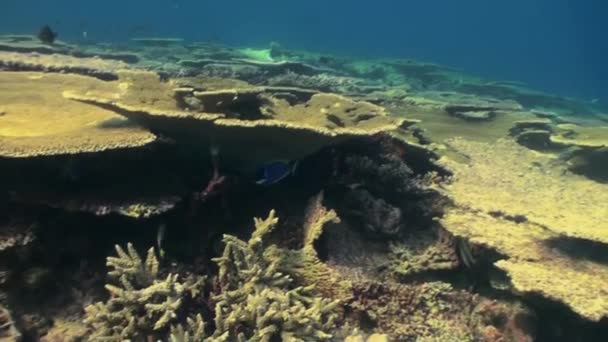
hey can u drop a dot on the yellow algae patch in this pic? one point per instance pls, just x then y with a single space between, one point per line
583 286
439 126
518 202
532 264
506 179
38 120
134 90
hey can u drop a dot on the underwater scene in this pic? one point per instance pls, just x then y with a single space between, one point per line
206 171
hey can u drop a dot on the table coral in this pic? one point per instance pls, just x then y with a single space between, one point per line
38 121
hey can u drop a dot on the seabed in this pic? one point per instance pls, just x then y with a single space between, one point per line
421 203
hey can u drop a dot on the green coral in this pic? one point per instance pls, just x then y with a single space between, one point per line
259 303
141 304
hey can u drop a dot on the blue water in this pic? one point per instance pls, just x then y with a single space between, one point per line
554 45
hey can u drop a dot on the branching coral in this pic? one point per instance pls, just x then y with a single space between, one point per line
142 304
304 264
258 302
255 300
194 332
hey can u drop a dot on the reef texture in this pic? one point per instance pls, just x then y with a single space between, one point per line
518 202
440 181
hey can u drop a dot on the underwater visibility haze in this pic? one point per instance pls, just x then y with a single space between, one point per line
191 171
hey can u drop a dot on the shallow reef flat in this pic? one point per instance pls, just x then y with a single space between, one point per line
167 190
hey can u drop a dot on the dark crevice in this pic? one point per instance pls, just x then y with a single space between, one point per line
580 248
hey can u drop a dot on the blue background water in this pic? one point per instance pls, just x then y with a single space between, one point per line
555 45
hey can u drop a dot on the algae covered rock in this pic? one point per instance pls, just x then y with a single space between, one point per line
519 202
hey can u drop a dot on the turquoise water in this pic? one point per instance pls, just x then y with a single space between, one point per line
553 45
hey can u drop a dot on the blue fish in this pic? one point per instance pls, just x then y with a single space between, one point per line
275 171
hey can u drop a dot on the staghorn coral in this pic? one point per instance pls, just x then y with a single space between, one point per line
143 304
193 332
257 302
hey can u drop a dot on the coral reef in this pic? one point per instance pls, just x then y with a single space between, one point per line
101 143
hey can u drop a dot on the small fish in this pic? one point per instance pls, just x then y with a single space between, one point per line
46 35
160 237
464 252
275 171
214 150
